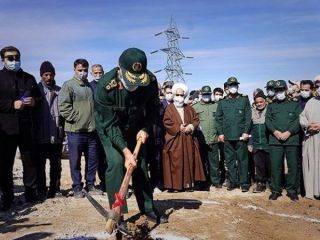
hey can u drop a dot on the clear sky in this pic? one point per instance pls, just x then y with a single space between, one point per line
254 40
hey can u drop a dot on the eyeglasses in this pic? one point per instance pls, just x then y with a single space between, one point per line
180 95
12 57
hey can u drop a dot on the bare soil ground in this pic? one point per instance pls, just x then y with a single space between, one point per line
217 214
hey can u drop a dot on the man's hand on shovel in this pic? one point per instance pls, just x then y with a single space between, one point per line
130 160
130 164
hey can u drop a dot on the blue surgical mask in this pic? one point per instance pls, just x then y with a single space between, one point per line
12 65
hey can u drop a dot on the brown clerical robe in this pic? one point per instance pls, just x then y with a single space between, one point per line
182 164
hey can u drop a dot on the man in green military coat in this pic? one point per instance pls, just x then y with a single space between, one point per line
127 104
207 135
282 121
233 118
270 91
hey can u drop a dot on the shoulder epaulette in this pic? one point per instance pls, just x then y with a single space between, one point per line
112 84
152 76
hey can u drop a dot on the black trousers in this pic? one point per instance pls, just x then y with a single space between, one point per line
262 166
53 153
102 166
8 147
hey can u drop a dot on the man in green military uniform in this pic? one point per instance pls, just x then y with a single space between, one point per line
233 118
270 91
282 121
127 104
207 135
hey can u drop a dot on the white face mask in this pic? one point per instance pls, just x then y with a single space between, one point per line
270 93
281 95
169 97
217 97
233 89
96 79
305 94
12 65
206 98
178 101
129 88
82 75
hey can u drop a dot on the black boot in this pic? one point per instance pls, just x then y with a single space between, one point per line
31 195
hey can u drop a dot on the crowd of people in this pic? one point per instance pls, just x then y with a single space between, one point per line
191 141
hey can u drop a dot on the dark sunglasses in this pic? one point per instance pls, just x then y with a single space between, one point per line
12 57
180 95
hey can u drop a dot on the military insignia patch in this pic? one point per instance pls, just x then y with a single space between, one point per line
278 83
113 83
131 78
137 67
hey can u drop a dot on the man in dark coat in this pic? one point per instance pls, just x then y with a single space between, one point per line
282 122
19 95
233 118
126 104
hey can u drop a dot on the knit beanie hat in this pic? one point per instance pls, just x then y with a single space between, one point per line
46 66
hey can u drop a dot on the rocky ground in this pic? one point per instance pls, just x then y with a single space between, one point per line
216 214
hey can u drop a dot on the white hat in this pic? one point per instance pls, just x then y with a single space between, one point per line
180 85
317 78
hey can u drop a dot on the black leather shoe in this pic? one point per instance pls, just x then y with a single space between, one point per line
156 218
232 186
217 185
5 205
31 196
245 188
274 195
293 196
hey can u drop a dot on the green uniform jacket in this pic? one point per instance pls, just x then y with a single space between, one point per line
120 113
259 130
283 116
76 106
233 117
207 117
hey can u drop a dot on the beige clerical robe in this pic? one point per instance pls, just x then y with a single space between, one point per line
311 148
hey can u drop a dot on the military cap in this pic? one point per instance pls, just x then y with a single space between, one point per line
270 84
133 64
168 84
232 80
280 84
206 89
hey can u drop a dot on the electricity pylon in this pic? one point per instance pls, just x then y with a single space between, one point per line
173 69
